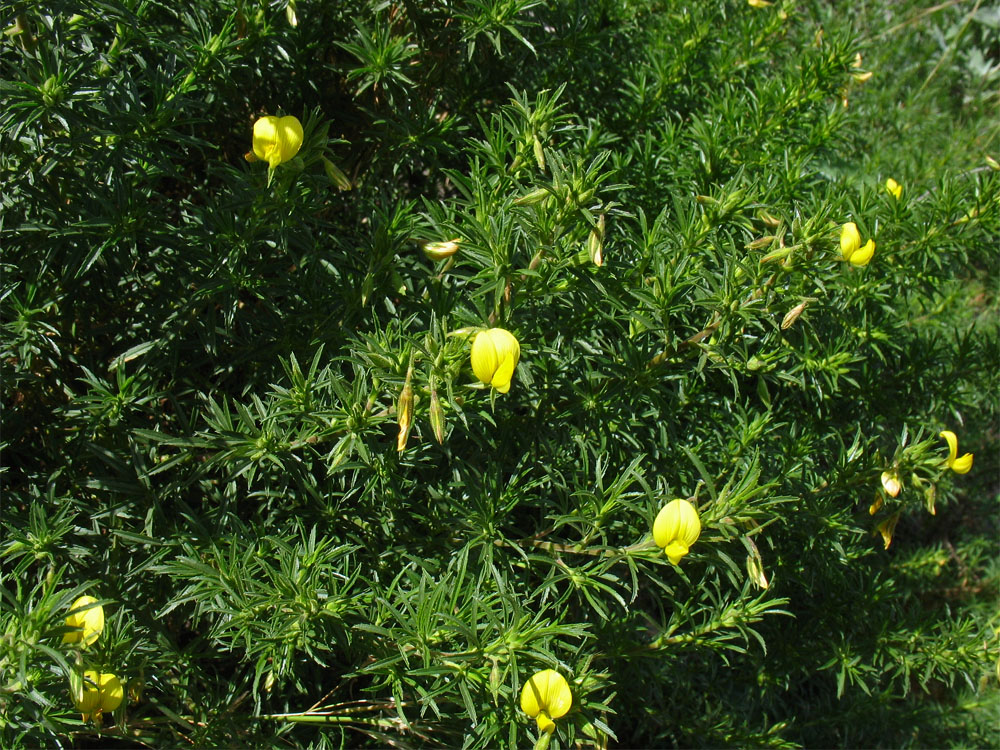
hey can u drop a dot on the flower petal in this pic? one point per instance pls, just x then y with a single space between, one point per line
484 357
952 441
862 256
850 239
962 465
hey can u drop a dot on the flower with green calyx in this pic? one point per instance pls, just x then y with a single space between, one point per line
95 694
87 620
440 250
894 188
494 356
890 482
546 696
851 248
956 464
676 528
277 139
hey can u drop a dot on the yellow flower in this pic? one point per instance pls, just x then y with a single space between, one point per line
850 239
758 3
956 464
277 139
890 483
494 356
95 693
894 187
676 528
88 618
546 696
850 245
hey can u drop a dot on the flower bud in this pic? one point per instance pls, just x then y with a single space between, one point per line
336 175
440 250
529 199
890 483
539 152
792 315
595 243
755 570
894 188
437 415
404 411
888 527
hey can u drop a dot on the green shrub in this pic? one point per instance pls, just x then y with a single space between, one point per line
240 410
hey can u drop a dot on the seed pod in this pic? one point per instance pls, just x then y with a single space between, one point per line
535 196
792 315
404 411
437 414
539 153
595 243
336 175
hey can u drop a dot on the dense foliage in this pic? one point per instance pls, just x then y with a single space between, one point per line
239 409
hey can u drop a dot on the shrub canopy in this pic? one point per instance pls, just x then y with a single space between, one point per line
244 412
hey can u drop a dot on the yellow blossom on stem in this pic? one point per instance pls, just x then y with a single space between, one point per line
494 356
851 248
676 528
894 188
94 694
277 139
758 3
87 617
546 696
956 464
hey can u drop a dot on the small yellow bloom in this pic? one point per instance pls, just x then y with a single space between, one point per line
277 139
546 696
95 693
862 256
850 239
676 528
850 245
890 483
956 464
758 3
894 188
88 618
494 356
